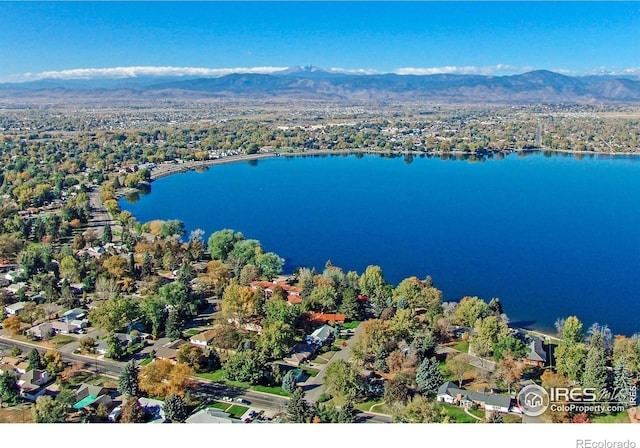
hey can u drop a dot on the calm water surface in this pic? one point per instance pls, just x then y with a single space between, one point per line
549 236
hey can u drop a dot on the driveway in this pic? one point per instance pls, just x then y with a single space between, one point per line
315 385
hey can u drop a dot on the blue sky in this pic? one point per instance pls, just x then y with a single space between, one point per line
410 37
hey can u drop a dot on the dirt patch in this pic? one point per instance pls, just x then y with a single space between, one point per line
634 415
17 414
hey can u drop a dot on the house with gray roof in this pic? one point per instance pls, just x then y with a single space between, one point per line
537 355
300 353
89 395
451 394
15 308
74 314
321 335
33 383
211 415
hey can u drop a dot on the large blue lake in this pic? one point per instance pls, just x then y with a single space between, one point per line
550 236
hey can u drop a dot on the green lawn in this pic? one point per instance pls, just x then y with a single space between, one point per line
61 339
103 381
511 418
456 413
323 358
339 344
367 405
79 378
620 417
238 384
276 390
217 376
219 405
310 372
191 332
461 346
351 325
146 361
236 410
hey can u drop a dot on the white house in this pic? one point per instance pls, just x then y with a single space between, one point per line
321 335
14 309
33 383
451 394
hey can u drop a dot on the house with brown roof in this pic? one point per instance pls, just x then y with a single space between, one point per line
170 351
203 339
300 353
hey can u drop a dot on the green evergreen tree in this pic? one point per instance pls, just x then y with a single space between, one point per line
423 346
380 361
106 236
290 381
595 369
34 359
174 408
298 409
128 380
350 305
624 389
428 376
147 265
173 325
348 413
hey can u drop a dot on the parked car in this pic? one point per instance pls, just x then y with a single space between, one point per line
115 414
226 399
242 400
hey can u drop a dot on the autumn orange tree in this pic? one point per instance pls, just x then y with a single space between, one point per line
12 324
162 377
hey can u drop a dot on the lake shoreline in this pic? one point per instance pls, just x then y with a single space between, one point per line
524 316
164 170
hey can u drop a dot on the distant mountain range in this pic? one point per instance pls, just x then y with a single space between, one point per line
314 83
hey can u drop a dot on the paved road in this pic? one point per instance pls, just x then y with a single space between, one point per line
109 367
208 390
99 215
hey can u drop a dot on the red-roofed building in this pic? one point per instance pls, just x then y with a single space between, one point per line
363 298
323 318
292 292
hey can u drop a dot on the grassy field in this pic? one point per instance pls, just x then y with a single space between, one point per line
461 346
456 413
367 405
323 358
191 332
620 417
103 381
310 372
61 339
217 376
276 390
81 377
234 409
351 325
510 418
17 414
